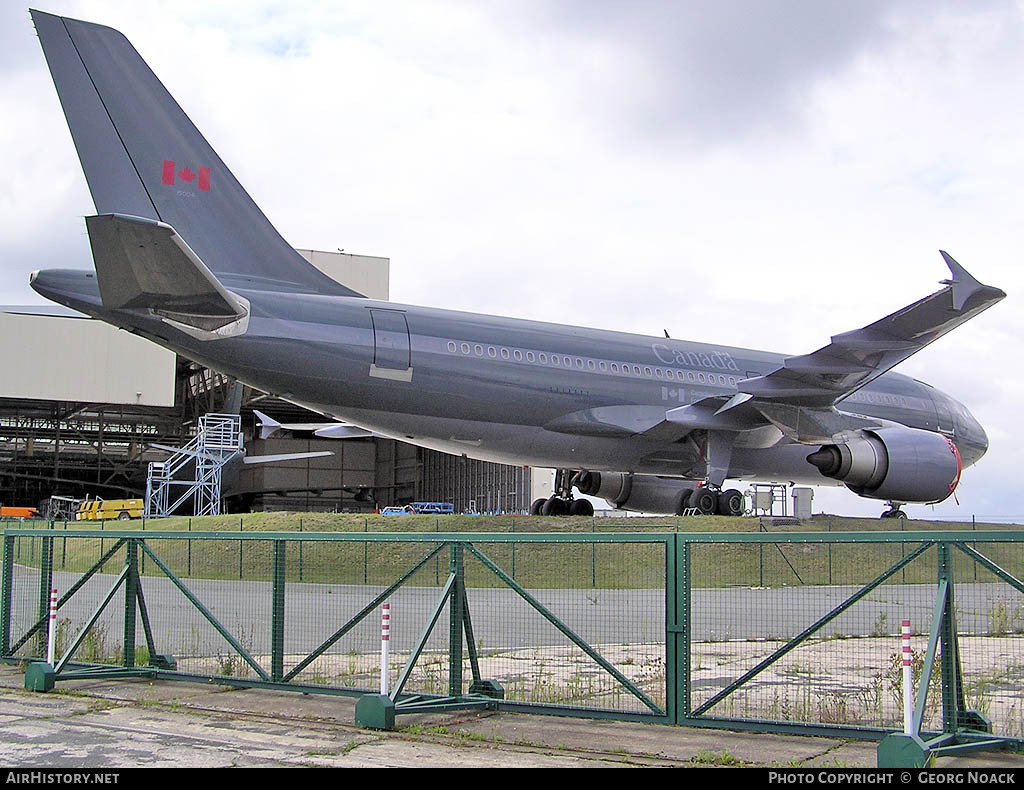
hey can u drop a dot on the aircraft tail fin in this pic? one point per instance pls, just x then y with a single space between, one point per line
143 157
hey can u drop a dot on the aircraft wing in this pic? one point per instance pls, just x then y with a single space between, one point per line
855 358
799 397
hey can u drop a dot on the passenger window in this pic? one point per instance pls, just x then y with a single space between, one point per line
452 347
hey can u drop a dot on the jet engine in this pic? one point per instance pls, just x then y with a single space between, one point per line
640 493
896 464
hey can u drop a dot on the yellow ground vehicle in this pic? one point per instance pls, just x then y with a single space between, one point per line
110 509
87 510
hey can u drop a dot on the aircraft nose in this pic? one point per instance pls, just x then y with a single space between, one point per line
973 441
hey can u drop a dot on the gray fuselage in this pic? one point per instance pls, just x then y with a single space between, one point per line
503 389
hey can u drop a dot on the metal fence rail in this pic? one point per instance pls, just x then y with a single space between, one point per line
794 632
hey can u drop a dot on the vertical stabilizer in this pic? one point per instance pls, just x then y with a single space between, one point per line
143 157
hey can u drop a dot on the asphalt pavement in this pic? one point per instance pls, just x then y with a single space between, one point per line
139 723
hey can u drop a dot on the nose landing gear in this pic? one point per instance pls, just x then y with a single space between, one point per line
894 511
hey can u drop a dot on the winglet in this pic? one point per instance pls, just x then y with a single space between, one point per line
268 425
963 284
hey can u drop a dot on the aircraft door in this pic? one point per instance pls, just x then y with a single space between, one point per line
391 352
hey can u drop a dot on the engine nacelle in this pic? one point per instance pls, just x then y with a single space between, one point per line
895 464
639 493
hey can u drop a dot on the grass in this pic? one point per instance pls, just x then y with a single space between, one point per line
583 565
708 757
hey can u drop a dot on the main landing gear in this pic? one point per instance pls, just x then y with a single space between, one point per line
894 511
561 502
709 501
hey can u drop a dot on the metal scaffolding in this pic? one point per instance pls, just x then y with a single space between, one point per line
194 471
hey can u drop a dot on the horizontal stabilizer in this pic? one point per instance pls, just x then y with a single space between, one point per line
143 263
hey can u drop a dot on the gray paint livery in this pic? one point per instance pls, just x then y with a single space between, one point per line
193 265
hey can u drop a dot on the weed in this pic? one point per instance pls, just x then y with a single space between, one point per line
999 619
708 757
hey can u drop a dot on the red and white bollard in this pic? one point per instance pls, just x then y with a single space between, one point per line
908 683
52 632
385 638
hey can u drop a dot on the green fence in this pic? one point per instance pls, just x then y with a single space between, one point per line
796 632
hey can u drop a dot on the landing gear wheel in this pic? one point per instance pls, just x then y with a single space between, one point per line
730 503
894 513
553 506
684 502
581 507
536 506
705 500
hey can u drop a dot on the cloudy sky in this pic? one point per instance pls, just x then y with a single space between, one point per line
761 174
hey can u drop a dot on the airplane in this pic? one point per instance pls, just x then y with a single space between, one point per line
185 258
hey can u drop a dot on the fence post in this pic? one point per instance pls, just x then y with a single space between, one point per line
277 613
455 611
675 647
131 593
6 591
952 682
45 580
189 541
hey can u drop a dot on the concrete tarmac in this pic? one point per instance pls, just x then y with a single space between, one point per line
139 723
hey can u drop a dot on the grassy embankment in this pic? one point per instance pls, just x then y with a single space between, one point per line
621 565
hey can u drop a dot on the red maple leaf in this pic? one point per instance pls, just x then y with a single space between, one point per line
186 174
